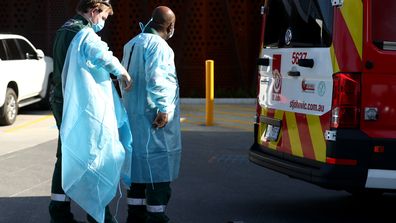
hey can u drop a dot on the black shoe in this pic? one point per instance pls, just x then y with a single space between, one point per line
108 217
60 213
67 221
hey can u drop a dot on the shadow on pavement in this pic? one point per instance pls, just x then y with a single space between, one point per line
218 184
34 110
24 209
35 210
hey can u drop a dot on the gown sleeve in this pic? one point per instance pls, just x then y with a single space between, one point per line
98 54
160 73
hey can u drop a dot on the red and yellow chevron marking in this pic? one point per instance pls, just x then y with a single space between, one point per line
301 135
348 37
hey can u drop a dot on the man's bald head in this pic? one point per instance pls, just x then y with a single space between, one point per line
163 15
163 21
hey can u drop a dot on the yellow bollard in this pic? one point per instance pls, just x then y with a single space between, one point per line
209 91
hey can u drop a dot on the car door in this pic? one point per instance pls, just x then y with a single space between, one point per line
34 67
15 68
4 76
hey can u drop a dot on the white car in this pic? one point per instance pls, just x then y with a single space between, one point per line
25 76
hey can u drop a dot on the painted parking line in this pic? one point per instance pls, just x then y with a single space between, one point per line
226 120
246 108
238 108
233 113
221 122
237 114
25 125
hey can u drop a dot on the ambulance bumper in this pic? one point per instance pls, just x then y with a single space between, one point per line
325 175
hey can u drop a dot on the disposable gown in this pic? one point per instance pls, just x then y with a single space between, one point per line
95 133
156 153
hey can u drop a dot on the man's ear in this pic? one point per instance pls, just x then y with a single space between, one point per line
169 28
96 10
91 12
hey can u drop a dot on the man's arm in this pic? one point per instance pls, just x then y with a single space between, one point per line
98 53
160 87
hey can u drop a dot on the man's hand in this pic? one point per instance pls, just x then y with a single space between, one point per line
126 81
161 120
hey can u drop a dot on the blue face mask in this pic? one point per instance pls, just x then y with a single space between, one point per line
98 26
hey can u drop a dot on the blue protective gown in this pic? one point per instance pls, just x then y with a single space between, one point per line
95 133
156 153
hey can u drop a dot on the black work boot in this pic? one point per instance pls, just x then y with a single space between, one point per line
137 214
60 212
108 217
158 195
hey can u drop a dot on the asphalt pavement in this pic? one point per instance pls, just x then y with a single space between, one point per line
209 152
217 183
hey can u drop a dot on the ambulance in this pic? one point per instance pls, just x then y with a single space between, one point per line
326 105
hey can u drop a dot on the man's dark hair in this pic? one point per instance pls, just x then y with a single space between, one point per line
85 5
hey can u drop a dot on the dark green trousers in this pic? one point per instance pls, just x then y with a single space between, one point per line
147 202
59 209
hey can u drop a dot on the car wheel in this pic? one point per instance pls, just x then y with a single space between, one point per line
9 111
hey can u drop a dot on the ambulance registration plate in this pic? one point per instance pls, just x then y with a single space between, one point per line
271 133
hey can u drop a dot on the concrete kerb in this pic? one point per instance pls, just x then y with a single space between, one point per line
219 100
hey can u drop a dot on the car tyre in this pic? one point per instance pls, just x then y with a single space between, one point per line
9 111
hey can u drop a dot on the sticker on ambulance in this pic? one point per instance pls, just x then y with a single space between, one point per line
307 87
277 87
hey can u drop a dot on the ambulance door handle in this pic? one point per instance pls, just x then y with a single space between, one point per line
293 73
306 63
263 62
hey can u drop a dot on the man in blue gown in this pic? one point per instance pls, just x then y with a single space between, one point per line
89 116
153 111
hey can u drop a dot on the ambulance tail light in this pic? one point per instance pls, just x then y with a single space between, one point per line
346 101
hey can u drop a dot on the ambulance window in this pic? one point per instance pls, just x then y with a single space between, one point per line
383 24
299 23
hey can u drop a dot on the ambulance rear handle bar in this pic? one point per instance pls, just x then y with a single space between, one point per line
301 62
263 62
306 63
293 73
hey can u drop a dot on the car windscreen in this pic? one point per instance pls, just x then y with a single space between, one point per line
299 23
3 53
383 22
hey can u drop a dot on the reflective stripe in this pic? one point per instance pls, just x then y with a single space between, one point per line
136 201
156 208
60 197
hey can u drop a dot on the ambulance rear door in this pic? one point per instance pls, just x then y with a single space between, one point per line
295 85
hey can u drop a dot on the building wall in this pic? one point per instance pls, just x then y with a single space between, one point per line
226 31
